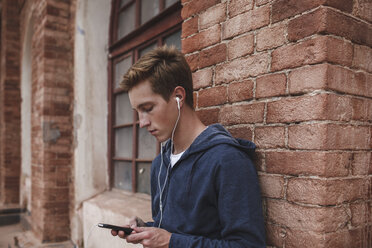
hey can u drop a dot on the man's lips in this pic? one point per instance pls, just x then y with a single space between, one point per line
152 131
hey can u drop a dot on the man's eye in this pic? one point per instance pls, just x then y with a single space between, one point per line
148 109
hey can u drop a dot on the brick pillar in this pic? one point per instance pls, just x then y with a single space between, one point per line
296 78
10 104
52 142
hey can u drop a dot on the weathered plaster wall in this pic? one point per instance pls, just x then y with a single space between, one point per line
90 104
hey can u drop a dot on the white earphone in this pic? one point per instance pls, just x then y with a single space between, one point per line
178 102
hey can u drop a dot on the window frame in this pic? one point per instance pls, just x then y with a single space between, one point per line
156 30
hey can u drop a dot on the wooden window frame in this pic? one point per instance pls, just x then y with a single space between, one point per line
156 29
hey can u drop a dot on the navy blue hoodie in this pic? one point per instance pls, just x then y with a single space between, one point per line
211 196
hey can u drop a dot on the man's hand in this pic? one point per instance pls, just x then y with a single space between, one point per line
150 237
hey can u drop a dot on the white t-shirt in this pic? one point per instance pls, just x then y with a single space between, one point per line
175 157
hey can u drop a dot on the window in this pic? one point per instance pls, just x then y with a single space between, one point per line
137 26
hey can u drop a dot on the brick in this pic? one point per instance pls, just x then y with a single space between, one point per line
213 55
361 163
241 68
240 46
271 37
328 21
242 114
275 234
246 22
203 39
304 108
345 238
214 15
308 79
241 132
339 51
315 23
208 116
190 27
362 58
329 136
328 77
359 213
307 163
326 191
269 137
363 10
298 238
348 27
239 6
212 96
317 50
271 185
194 7
305 218
240 91
202 78
271 85
259 161
282 9
193 61
362 109
263 2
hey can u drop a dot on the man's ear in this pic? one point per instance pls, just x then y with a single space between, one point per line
180 93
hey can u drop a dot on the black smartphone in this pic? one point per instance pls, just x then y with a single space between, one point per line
126 230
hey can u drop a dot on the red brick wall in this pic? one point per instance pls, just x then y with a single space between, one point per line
10 162
52 106
296 78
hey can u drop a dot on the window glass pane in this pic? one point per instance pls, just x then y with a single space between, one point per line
147 49
174 39
124 2
123 109
149 9
126 21
123 142
147 145
169 2
120 69
143 177
123 175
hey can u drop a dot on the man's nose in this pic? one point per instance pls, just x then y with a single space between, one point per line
143 121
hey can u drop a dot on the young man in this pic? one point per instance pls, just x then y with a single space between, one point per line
204 187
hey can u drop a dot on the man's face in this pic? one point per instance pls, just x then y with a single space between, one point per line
155 114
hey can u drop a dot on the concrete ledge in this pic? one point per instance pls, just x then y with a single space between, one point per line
28 240
113 207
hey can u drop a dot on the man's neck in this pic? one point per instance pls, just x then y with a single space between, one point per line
189 127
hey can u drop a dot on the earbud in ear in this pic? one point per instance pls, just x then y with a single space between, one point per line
178 102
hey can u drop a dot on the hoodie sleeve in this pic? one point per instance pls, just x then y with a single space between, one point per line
239 207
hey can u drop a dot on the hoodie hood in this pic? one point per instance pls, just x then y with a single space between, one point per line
212 136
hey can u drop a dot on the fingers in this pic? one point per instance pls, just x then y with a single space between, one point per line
121 234
114 233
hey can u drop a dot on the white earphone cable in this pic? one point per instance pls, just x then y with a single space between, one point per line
161 189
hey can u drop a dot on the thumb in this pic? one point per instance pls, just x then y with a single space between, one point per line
139 229
133 222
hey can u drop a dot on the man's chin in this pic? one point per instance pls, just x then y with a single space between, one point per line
161 139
